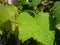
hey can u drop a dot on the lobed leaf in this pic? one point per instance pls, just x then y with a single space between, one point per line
37 27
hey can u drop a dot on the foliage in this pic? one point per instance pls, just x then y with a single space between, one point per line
30 22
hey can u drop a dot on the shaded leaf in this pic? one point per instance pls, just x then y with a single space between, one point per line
56 9
7 12
35 2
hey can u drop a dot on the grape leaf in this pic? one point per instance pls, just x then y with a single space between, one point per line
7 12
37 28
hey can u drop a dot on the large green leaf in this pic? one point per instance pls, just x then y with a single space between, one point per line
7 12
35 2
37 28
56 9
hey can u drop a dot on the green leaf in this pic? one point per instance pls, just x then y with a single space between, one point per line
35 2
56 9
46 34
7 12
37 28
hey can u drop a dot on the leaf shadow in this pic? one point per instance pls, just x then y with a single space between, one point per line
31 41
8 37
53 28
